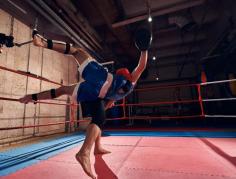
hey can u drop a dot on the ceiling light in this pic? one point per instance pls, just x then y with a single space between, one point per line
157 78
150 19
154 58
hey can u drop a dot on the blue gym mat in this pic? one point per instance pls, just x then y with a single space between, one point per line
18 158
208 134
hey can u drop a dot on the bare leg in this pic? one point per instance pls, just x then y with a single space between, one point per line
59 47
98 147
79 54
83 156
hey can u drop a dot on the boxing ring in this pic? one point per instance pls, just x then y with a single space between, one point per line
206 153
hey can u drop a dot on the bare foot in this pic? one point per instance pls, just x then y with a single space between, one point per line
84 161
38 41
101 151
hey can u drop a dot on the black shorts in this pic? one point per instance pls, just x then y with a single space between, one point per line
96 110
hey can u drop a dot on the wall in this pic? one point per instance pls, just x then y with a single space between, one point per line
43 62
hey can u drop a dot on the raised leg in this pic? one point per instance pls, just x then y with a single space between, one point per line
79 54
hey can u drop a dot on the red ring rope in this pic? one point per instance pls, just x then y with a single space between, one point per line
41 125
30 75
40 102
199 100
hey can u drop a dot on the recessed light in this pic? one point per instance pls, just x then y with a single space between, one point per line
150 19
154 58
157 78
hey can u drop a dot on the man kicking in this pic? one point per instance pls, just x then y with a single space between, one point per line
98 86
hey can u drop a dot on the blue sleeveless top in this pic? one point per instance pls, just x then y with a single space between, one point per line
119 84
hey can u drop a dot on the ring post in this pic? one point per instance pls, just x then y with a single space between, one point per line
200 99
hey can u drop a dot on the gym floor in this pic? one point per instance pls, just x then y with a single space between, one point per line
180 121
149 154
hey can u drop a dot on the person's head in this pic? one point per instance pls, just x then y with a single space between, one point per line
125 73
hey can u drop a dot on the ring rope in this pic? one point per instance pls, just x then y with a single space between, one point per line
41 125
29 75
220 99
40 102
223 116
218 82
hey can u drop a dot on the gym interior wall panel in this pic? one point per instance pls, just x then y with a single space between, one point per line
13 86
35 60
4 123
155 96
5 22
65 72
29 122
58 68
29 118
2 79
166 73
166 94
55 67
72 78
15 114
33 86
47 68
72 70
48 129
169 72
12 115
43 62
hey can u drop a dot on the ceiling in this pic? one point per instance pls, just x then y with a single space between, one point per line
180 28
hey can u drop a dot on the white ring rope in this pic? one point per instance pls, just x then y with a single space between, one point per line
223 116
107 63
220 99
217 82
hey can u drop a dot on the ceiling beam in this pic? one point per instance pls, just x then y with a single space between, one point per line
42 8
75 18
121 35
159 12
